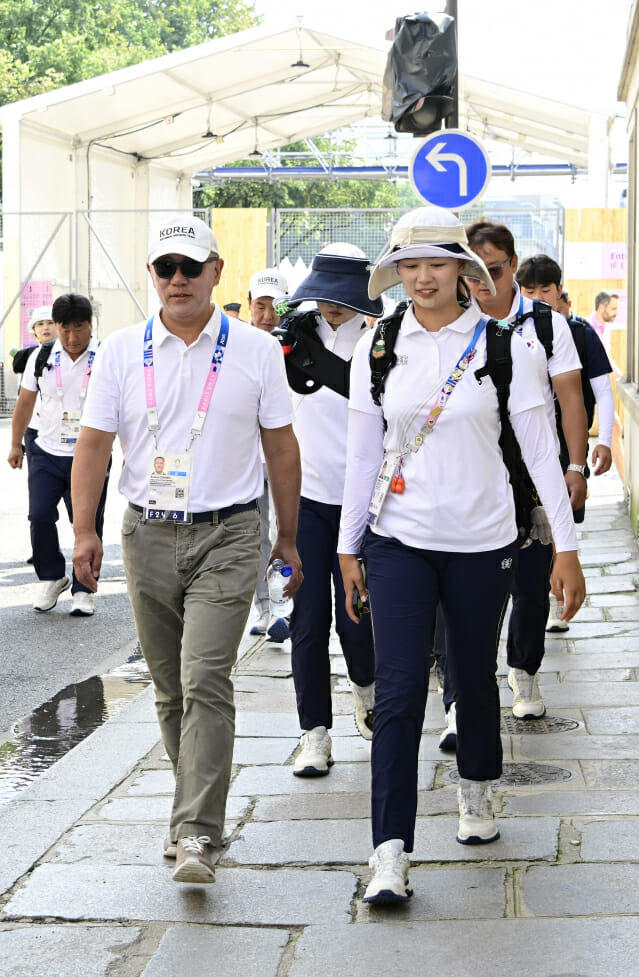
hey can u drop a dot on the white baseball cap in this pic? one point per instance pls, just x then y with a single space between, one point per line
426 232
185 235
268 282
42 313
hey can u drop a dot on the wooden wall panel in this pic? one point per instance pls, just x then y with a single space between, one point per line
242 238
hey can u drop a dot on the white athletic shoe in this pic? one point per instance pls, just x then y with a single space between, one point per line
314 758
48 593
261 624
82 604
554 623
390 865
448 738
364 696
476 819
527 700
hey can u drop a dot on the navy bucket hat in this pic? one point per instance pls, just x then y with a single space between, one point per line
340 273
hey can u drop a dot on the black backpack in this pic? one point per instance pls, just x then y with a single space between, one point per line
499 367
22 357
309 365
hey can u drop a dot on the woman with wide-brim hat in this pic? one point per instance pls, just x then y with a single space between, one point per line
444 531
338 284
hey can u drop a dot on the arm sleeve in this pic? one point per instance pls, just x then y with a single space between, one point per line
102 408
602 389
539 452
364 455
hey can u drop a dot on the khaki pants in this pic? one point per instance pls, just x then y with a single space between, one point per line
190 588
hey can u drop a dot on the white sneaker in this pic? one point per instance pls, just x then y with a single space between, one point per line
527 700
390 865
314 758
554 624
476 819
364 696
448 739
48 593
82 604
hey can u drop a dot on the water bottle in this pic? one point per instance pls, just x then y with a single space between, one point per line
277 577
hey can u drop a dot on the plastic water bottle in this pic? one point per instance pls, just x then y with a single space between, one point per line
277 577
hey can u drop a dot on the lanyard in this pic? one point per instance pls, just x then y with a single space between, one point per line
211 380
464 361
85 381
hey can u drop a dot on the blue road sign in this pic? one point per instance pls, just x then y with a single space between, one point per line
450 168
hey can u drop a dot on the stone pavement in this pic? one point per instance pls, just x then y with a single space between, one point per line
86 892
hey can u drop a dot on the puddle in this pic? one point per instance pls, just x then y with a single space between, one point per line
65 720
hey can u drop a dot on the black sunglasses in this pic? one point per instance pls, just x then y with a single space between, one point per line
190 268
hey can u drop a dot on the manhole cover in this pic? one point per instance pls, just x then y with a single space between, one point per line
547 724
523 774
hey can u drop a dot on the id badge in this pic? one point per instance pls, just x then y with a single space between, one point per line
70 425
382 486
169 487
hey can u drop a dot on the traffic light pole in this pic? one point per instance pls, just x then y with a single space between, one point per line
452 121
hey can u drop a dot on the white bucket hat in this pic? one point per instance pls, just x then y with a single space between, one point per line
427 232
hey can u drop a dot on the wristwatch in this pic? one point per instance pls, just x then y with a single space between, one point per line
577 468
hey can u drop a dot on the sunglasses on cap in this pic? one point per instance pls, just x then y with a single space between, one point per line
190 268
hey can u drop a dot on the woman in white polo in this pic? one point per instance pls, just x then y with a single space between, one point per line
444 530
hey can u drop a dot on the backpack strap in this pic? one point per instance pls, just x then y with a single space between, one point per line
42 360
382 356
499 367
541 314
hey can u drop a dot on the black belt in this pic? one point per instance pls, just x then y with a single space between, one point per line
217 516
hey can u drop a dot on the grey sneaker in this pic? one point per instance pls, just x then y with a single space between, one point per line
193 860
364 696
527 700
476 819
390 865
314 758
169 848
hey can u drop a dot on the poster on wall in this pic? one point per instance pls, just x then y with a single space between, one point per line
594 259
33 295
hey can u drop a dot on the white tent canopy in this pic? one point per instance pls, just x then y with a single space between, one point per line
126 144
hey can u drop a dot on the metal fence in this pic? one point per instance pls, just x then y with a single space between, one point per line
300 234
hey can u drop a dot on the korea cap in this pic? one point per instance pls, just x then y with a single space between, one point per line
185 235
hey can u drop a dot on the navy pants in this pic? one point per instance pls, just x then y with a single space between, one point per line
405 586
311 619
50 483
531 603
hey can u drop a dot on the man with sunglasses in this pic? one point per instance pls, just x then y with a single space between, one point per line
201 392
560 374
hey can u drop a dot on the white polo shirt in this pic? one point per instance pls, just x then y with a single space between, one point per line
564 352
51 406
457 496
251 391
321 420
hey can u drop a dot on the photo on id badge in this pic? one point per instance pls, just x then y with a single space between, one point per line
169 483
70 426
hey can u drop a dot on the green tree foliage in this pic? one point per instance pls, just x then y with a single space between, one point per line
325 192
48 43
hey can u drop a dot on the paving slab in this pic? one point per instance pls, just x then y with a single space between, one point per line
157 809
344 806
576 747
350 778
325 842
63 951
628 599
603 694
609 773
582 890
599 675
140 892
496 948
447 894
617 644
116 844
575 802
612 585
624 719
199 952
610 841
